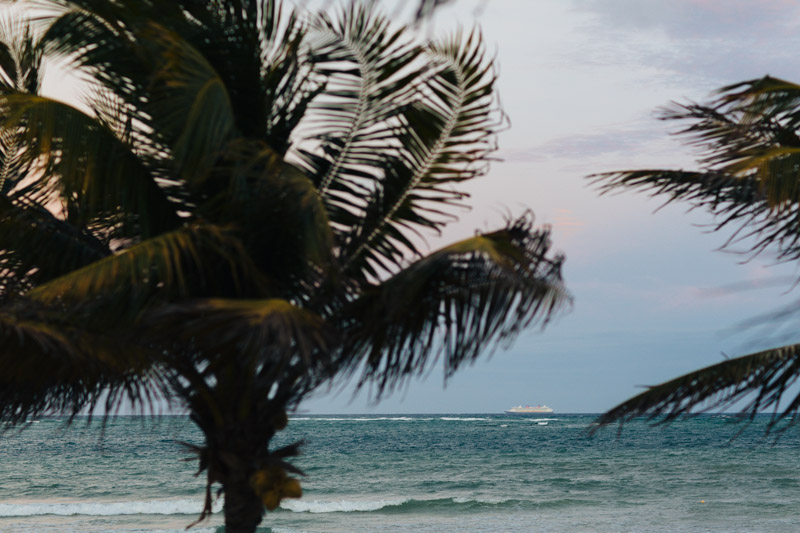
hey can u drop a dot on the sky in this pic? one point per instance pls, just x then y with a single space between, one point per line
581 81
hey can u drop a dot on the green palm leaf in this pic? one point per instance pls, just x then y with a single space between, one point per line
749 175
57 368
372 75
749 167
265 336
736 201
96 171
187 106
761 379
36 246
215 71
191 107
447 139
279 209
20 55
457 303
194 260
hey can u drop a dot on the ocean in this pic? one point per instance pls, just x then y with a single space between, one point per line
419 473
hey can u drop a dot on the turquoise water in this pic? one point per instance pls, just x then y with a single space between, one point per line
420 473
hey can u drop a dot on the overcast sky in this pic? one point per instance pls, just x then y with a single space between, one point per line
581 81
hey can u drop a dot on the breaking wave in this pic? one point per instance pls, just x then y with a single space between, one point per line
392 505
152 507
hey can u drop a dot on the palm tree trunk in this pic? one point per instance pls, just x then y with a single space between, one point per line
243 507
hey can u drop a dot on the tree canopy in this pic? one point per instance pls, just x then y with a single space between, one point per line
234 214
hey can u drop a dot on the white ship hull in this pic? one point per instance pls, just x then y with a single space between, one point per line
528 410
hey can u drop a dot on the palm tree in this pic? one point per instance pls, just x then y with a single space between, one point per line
233 215
749 179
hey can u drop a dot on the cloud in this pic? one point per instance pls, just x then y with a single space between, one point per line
584 149
706 19
709 43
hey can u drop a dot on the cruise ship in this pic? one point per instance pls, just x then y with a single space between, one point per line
529 409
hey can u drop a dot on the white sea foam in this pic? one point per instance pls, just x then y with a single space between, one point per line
353 506
491 501
542 419
63 527
462 418
97 508
339 506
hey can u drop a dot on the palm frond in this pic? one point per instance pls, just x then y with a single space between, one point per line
749 164
191 107
286 229
253 46
372 74
20 55
36 246
55 368
740 202
457 302
268 339
748 178
100 39
288 84
761 379
426 8
117 50
96 172
242 63
767 96
194 260
446 139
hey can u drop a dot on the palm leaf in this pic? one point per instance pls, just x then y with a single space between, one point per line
750 155
761 379
372 75
122 54
252 45
256 47
191 107
278 208
217 69
266 338
194 260
36 247
761 97
185 106
734 201
99 39
52 368
426 8
446 139
95 169
20 55
456 303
